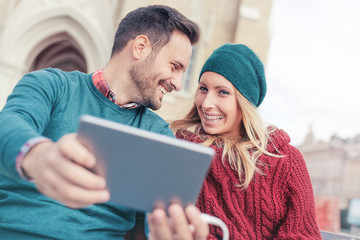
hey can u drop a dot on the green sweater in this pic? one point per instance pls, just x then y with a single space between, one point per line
49 103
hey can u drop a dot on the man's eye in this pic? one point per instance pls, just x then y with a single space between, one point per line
175 66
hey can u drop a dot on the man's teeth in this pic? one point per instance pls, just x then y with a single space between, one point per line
162 89
213 117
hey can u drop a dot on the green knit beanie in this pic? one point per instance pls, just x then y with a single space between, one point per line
240 65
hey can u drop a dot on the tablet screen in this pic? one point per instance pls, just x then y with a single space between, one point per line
145 169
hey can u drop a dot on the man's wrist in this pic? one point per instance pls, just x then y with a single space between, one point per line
24 150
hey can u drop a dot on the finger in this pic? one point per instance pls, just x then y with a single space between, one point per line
75 197
180 223
78 175
69 194
70 147
158 225
200 227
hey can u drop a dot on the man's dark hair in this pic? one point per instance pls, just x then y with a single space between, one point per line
157 22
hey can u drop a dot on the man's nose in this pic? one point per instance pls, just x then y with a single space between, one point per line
176 82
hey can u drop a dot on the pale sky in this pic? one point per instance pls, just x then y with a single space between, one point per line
313 68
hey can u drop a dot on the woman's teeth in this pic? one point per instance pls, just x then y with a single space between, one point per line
212 117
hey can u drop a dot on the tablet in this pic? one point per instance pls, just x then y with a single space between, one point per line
143 169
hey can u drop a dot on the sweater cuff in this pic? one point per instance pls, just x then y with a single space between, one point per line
23 151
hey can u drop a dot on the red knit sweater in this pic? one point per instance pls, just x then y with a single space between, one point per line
276 205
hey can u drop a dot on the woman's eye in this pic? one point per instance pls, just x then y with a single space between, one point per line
223 92
202 89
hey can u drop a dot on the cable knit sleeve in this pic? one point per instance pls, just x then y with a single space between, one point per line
300 221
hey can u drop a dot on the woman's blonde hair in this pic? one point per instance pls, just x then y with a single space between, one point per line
242 152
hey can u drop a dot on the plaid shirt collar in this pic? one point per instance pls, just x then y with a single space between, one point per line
101 84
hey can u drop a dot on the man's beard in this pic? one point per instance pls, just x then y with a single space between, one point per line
144 81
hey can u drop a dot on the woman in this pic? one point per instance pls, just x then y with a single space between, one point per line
258 184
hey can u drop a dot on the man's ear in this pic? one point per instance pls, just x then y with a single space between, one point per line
141 47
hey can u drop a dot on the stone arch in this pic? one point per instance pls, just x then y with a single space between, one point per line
60 51
25 41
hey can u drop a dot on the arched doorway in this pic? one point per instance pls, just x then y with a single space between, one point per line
35 36
59 51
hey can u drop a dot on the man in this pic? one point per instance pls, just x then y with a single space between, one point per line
40 152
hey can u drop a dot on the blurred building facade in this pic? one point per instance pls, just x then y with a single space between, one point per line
334 168
78 35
